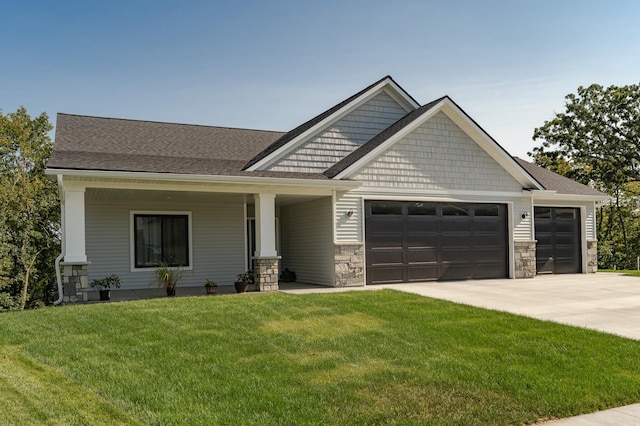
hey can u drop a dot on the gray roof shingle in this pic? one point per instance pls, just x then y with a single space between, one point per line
113 144
554 182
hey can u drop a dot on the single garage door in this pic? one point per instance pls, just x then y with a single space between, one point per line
558 248
419 241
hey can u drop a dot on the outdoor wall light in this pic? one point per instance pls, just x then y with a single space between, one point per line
524 215
349 214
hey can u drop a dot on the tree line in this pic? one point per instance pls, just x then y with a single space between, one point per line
596 141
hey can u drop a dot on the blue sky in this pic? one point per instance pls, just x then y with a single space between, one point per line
275 64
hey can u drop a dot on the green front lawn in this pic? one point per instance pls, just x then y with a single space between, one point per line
371 357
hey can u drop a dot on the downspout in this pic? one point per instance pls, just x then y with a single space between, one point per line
62 245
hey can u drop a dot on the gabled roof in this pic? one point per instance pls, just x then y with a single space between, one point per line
301 129
555 182
366 152
377 140
113 144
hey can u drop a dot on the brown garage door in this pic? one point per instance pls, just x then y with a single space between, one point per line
419 241
558 235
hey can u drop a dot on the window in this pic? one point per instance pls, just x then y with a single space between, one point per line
160 239
486 210
386 208
455 210
422 209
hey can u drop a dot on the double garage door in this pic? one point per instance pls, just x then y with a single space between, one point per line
421 241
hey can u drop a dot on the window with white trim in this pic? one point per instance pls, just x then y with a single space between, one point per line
160 239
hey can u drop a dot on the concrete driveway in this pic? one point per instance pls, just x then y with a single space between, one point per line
604 301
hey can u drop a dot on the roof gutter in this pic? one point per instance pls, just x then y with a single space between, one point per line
62 245
243 180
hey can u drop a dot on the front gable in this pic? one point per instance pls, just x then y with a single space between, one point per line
339 139
436 155
324 140
437 146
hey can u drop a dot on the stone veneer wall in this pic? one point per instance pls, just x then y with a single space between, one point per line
592 256
266 273
75 282
524 258
349 265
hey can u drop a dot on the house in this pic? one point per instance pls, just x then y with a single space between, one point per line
377 189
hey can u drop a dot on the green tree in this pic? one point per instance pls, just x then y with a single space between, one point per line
29 225
596 141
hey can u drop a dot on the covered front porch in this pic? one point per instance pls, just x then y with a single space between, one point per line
209 231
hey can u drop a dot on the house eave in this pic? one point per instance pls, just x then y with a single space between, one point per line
261 181
554 196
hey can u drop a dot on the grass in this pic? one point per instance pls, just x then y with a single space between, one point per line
627 272
375 357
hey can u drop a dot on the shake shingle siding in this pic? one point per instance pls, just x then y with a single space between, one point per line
437 155
343 137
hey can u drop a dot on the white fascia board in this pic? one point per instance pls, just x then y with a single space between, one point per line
555 197
168 178
356 166
399 96
435 194
491 147
292 144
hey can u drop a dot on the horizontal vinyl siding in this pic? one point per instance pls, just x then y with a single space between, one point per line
590 226
522 228
344 136
348 229
217 241
437 155
307 242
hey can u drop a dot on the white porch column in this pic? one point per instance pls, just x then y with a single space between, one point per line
73 225
265 225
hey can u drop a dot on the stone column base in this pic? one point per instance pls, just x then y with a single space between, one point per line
75 282
349 265
524 257
266 273
592 256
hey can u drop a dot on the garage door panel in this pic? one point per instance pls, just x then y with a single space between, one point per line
384 240
421 225
386 225
444 241
381 275
423 273
460 255
488 254
425 254
455 271
486 225
455 224
422 239
386 257
487 269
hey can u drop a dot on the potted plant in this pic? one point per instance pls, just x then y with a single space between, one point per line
167 277
210 286
244 280
288 275
105 284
